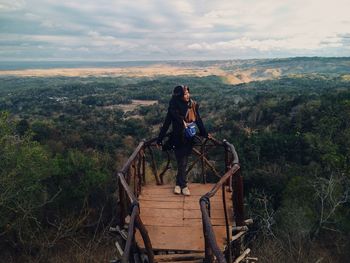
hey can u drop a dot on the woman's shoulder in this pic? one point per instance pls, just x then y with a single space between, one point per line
172 102
194 104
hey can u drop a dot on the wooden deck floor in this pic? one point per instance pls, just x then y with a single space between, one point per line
174 221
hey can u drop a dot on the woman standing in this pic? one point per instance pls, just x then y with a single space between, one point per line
182 112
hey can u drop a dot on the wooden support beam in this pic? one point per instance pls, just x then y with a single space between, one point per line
243 255
237 236
178 257
239 228
251 259
248 221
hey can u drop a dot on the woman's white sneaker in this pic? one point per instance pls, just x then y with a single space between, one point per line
177 190
186 191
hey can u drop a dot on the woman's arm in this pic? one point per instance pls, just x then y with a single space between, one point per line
200 125
164 128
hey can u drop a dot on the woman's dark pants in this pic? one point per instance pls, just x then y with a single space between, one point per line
182 153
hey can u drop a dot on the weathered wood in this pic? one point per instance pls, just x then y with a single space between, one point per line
158 221
248 221
239 228
158 212
174 221
239 235
196 190
178 257
214 213
161 204
204 177
162 221
180 213
198 221
154 166
206 161
169 198
191 204
186 238
238 199
132 157
145 237
255 259
243 255
227 224
166 168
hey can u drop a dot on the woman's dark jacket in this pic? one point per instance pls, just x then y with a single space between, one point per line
176 115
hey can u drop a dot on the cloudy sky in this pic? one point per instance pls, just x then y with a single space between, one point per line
172 29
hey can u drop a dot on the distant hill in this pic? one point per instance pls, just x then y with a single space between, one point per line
270 68
231 71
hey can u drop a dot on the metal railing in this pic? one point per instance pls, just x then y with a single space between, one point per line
132 177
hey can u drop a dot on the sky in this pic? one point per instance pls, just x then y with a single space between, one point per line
118 30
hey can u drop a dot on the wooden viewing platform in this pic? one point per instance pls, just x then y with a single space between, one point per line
156 225
174 222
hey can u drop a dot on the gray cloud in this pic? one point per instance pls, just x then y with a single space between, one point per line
182 29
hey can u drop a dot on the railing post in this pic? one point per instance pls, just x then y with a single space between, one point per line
154 166
139 176
133 174
204 178
209 257
122 201
227 225
146 239
238 199
227 166
143 168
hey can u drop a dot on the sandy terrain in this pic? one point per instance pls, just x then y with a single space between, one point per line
147 71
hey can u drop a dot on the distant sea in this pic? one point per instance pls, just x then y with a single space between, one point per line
18 65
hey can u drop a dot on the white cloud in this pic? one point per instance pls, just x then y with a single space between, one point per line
157 29
11 5
182 6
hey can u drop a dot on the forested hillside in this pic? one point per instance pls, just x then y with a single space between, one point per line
62 139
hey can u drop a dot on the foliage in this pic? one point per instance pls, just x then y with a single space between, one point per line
64 137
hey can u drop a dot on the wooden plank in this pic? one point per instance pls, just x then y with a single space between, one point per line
166 193
163 192
161 204
179 198
178 257
162 221
172 198
190 204
170 186
162 186
187 238
159 212
156 221
215 213
214 221
243 255
174 221
196 189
